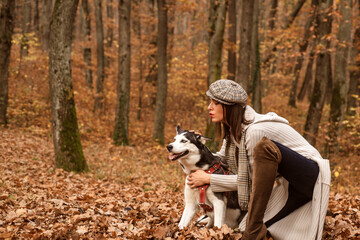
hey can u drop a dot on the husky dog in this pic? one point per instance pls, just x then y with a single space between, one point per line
189 149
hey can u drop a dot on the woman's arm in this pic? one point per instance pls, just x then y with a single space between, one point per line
218 182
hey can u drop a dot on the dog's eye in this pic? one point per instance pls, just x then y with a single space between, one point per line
183 141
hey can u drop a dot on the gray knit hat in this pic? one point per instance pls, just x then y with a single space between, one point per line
227 92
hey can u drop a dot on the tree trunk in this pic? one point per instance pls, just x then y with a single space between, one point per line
322 73
243 64
171 5
7 10
110 28
272 15
338 96
152 64
232 40
217 18
36 16
87 39
26 25
289 20
138 32
160 109
121 130
45 16
66 136
109 31
99 98
354 85
302 50
272 20
307 83
287 23
256 84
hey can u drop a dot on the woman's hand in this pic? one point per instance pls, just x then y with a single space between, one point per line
195 131
198 178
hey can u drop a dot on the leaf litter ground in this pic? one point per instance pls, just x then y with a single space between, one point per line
130 193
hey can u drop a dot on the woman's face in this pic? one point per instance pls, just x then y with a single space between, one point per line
215 111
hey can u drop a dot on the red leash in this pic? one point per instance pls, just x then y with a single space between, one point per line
202 189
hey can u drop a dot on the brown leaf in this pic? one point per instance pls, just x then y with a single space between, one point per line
161 232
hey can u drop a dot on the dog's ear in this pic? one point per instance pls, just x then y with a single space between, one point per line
202 139
178 130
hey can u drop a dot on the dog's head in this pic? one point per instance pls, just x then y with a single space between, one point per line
185 144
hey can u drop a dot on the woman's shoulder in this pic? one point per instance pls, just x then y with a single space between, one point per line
254 118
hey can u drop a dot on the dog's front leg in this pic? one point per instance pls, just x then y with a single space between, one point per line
188 214
219 213
219 209
191 206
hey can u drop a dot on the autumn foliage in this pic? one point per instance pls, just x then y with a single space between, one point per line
135 192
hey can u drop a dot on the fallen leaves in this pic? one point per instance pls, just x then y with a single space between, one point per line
40 202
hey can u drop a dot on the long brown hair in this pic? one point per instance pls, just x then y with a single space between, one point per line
234 117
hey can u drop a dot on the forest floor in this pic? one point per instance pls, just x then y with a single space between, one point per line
130 192
137 194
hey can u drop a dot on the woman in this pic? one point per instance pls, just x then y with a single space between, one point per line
282 181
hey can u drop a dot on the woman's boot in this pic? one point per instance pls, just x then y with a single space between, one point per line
267 157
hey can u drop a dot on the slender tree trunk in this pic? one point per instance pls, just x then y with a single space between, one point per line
272 20
338 99
109 31
66 136
272 15
171 30
232 40
110 28
323 71
152 64
138 32
87 39
99 98
7 10
354 85
160 109
243 64
36 17
287 23
26 25
307 83
289 20
121 130
217 18
45 16
302 50
256 83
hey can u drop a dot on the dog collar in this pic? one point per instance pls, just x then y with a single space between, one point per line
202 189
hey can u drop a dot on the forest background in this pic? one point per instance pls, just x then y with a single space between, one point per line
137 70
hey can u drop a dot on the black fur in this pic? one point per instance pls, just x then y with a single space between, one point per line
207 158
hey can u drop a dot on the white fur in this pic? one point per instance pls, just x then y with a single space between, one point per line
191 158
220 215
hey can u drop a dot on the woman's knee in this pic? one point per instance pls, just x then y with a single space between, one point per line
266 149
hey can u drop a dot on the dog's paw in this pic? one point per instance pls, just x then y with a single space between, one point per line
181 226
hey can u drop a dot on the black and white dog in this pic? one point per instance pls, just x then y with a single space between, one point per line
189 149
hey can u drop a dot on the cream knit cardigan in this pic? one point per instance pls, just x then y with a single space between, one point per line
305 223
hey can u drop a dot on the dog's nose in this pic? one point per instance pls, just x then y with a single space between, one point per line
169 147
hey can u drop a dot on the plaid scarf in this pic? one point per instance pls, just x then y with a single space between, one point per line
238 163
